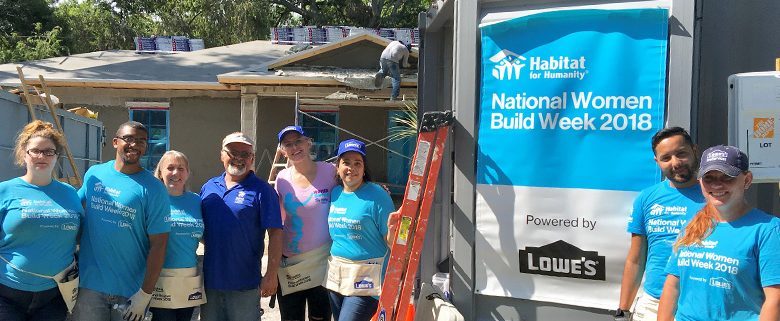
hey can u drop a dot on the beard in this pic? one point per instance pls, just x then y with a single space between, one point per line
236 170
130 160
682 175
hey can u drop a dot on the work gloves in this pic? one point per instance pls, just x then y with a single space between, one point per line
138 306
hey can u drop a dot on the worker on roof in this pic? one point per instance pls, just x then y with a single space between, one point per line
394 54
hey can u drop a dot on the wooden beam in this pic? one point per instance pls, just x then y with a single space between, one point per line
332 46
320 91
136 84
396 104
250 79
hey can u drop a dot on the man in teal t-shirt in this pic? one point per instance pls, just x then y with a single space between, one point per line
660 212
124 232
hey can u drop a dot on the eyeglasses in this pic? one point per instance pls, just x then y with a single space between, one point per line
237 155
41 152
133 140
297 143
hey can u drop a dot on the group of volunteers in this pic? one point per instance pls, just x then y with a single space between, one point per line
704 252
123 246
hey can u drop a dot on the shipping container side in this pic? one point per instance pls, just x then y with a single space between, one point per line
85 136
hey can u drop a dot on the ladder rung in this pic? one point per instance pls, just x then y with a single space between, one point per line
280 165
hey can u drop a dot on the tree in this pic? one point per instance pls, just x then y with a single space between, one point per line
94 26
21 16
41 44
362 13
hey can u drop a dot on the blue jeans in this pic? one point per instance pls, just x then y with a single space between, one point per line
183 314
18 305
97 306
293 306
352 308
390 68
231 306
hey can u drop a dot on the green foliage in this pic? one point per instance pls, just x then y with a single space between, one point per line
405 124
94 26
41 44
37 29
360 13
21 16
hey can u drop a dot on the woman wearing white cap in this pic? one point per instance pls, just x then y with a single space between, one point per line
304 193
726 264
358 222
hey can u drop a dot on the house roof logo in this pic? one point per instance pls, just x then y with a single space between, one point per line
764 127
656 209
507 65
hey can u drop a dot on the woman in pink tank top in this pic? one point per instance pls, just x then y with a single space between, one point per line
304 193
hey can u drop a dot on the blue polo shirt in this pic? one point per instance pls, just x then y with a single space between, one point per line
235 221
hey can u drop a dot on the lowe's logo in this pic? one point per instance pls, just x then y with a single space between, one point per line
562 259
508 65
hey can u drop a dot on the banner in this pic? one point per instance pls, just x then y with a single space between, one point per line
569 103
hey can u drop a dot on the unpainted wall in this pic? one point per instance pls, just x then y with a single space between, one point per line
371 123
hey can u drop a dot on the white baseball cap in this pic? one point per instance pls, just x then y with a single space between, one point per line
237 137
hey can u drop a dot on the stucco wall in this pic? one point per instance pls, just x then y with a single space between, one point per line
371 123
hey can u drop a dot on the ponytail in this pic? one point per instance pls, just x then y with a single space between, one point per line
699 228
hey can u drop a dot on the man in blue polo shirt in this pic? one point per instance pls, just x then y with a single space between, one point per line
238 208
660 212
124 232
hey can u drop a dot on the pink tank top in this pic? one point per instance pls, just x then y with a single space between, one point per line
305 210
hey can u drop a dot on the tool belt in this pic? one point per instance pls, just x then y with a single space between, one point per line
178 288
304 271
355 278
67 281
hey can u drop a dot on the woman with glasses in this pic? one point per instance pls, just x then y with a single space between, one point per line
304 192
726 264
358 221
39 218
179 278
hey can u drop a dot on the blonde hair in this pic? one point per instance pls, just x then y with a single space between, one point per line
700 227
36 128
177 155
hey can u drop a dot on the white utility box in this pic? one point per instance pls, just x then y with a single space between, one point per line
754 114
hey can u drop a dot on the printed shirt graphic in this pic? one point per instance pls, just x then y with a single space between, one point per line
723 278
38 233
358 222
305 210
121 211
235 221
660 213
186 230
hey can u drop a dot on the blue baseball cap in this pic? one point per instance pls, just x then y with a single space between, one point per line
352 145
288 129
728 160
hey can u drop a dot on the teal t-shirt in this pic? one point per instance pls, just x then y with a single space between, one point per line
121 211
660 213
38 232
357 222
723 277
186 230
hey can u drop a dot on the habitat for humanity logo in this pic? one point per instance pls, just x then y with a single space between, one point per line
509 64
562 259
